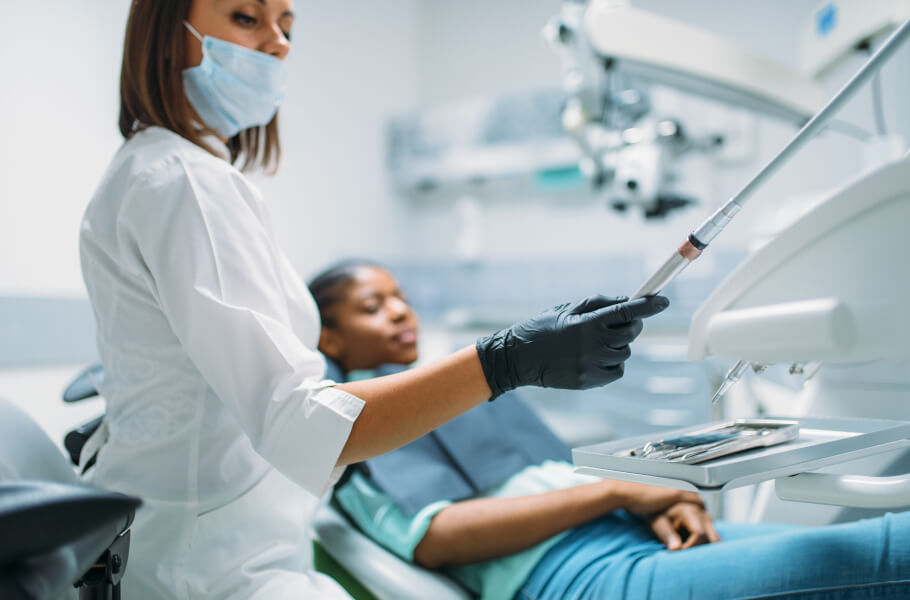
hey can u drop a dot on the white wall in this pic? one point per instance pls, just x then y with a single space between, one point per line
59 68
477 47
353 64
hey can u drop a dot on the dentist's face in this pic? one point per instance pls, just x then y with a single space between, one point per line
373 324
263 25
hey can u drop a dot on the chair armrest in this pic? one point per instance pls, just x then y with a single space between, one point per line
54 532
384 574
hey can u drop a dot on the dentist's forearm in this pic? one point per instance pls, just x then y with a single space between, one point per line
402 407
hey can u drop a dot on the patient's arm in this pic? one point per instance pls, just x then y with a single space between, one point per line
485 528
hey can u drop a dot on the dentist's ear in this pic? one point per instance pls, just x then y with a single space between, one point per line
331 343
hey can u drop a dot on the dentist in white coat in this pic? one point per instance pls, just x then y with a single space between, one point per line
218 415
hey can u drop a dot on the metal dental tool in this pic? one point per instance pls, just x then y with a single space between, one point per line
733 375
698 240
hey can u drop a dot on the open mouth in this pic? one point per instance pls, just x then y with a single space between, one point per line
408 336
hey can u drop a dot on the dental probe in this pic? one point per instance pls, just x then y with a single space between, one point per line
698 240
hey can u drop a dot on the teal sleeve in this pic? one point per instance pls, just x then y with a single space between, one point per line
379 517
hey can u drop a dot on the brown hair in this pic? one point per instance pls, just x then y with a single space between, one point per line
151 85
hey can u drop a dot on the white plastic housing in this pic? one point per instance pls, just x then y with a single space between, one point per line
836 27
833 286
672 53
845 490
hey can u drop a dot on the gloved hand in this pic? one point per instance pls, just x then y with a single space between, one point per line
574 346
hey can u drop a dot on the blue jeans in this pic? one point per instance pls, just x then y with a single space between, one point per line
617 557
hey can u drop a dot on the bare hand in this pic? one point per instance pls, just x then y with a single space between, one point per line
647 500
684 525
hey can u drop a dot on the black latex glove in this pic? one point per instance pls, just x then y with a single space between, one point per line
573 346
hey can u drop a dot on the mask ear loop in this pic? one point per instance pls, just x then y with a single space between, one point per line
198 37
192 30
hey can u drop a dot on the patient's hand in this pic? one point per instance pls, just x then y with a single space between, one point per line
647 500
684 525
677 518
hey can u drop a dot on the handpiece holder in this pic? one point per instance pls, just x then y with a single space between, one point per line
858 491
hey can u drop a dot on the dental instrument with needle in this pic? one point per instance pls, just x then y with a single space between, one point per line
696 242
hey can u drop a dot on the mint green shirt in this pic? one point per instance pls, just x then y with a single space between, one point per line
381 519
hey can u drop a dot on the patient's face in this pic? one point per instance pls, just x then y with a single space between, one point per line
373 324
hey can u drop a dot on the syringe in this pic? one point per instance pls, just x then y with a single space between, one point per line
698 240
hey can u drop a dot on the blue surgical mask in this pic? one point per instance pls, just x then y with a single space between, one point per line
234 88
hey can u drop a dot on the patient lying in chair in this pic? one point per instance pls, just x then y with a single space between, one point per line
491 499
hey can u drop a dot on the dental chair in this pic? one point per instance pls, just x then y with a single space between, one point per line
367 570
384 575
57 534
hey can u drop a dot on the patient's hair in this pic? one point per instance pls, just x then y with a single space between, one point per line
329 286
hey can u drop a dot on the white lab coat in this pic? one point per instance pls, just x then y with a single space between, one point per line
218 416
